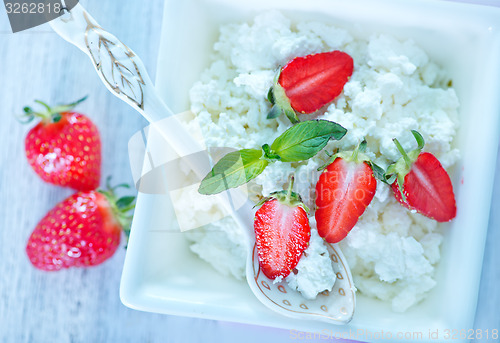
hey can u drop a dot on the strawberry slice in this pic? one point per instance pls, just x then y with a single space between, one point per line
305 84
420 183
343 191
282 233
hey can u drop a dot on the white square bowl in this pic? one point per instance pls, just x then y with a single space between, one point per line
162 275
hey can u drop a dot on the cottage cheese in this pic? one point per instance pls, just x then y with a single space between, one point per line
314 272
394 88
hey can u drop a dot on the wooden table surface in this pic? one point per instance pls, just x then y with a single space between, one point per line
83 305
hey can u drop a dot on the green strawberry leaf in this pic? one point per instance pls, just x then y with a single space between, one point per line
125 201
390 178
274 113
378 172
400 181
270 96
27 116
233 170
419 139
291 115
304 140
56 117
282 104
51 113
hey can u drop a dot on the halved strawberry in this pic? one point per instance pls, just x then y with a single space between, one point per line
282 232
305 84
343 191
420 183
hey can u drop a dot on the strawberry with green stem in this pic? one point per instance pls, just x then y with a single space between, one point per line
81 231
282 232
420 183
64 148
306 84
344 190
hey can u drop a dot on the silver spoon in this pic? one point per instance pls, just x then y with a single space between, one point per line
124 74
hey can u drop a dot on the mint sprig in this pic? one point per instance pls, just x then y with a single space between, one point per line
300 142
233 170
304 140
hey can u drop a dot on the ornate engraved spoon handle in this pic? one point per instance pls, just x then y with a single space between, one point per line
123 73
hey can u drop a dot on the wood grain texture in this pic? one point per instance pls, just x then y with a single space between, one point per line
83 305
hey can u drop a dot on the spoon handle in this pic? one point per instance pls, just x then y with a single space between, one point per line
124 75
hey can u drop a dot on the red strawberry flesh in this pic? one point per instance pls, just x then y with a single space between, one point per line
343 192
312 81
428 189
282 235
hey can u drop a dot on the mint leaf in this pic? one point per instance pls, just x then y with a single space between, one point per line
300 142
304 140
233 170
270 155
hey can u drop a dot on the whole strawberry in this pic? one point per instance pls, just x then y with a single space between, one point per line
282 232
83 230
305 84
420 183
64 148
344 190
